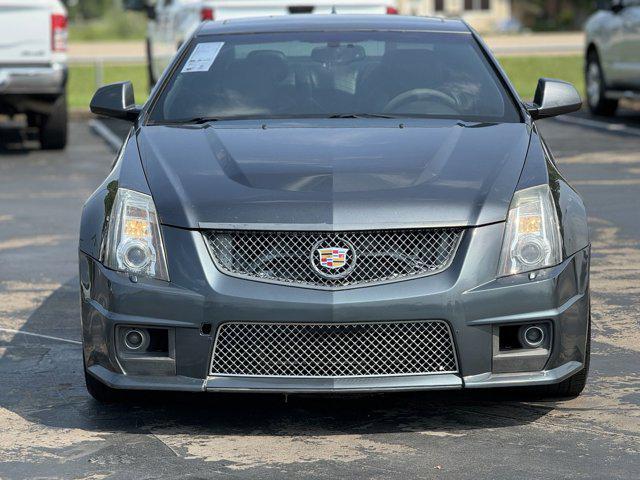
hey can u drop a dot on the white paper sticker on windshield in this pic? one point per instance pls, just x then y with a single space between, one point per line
202 57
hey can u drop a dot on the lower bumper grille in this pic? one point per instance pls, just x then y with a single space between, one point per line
333 350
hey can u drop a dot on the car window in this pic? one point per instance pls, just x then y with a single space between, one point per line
324 74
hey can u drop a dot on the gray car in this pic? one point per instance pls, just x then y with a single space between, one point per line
334 204
613 55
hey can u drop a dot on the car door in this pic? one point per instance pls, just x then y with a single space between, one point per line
610 44
629 65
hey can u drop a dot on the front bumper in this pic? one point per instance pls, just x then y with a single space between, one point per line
33 80
336 385
467 296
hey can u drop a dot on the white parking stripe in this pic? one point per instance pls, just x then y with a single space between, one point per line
113 140
610 127
49 337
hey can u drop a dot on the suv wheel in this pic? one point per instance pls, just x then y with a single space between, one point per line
598 102
53 127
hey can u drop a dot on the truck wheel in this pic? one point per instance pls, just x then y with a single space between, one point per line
53 127
598 102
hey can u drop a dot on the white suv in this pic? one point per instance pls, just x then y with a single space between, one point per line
33 70
173 21
613 55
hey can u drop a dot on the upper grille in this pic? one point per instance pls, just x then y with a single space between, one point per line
371 256
333 350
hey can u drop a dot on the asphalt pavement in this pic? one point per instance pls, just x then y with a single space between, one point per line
51 428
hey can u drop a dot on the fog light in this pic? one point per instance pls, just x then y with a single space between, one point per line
532 336
135 339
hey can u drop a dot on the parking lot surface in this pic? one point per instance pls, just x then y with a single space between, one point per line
51 428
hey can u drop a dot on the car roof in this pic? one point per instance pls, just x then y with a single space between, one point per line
295 23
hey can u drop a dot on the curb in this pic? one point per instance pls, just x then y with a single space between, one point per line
608 127
104 132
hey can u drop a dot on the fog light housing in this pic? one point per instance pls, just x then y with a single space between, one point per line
532 336
136 339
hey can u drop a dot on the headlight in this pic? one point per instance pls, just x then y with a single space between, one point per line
532 237
134 243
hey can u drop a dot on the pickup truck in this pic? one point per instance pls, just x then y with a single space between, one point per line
33 70
173 21
612 66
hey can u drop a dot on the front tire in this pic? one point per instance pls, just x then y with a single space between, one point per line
52 129
573 386
597 99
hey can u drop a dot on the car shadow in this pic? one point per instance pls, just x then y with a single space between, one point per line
43 383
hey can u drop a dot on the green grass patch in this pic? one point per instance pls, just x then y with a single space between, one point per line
114 25
524 72
83 82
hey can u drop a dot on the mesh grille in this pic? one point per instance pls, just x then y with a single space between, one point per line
369 256
333 350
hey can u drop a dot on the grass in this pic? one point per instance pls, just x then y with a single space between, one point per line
82 82
523 72
114 25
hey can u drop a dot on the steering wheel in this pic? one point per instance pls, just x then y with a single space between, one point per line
420 94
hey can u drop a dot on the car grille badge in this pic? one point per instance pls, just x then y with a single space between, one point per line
332 257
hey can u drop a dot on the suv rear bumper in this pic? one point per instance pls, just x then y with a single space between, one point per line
37 80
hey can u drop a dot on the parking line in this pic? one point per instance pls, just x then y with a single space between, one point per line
49 337
610 127
113 140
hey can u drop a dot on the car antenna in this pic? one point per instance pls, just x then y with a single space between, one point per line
333 10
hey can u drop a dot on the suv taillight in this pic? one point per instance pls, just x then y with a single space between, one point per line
392 11
58 32
207 13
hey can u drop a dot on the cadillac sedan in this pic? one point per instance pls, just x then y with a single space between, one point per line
334 204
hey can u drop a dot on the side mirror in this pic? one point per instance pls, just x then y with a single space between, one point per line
553 98
141 6
151 12
116 101
617 6
135 5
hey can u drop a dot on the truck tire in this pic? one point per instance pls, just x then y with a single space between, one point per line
52 129
597 99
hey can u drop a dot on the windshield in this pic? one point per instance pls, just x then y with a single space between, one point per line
334 74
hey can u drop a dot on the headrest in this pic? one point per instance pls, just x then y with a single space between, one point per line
269 62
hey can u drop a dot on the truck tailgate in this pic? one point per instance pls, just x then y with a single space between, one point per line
26 32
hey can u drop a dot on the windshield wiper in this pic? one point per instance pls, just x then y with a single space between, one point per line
360 115
193 121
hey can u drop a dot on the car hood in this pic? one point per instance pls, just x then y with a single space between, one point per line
362 175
